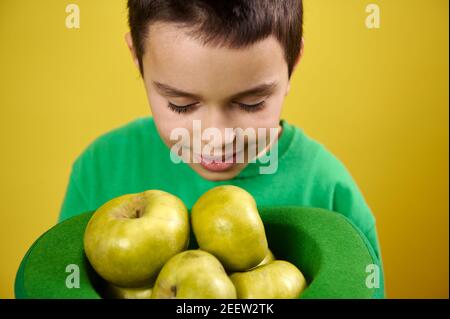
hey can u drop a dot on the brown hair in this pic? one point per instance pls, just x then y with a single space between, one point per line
231 23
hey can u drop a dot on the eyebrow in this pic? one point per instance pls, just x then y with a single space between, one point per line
259 90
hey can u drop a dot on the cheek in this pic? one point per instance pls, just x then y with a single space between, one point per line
267 118
165 119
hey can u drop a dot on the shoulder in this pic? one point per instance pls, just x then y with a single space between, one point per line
119 140
329 176
134 129
316 159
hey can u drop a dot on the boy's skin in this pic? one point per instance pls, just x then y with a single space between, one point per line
214 74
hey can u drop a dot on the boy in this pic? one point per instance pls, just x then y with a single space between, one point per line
221 64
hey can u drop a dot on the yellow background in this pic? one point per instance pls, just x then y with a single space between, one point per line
377 98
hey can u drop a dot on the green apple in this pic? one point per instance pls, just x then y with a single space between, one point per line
193 274
129 238
116 292
269 258
278 279
226 223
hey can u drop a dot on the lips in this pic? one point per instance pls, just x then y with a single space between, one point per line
218 166
217 163
221 158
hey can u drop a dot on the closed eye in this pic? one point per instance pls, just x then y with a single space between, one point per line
252 107
182 108
189 107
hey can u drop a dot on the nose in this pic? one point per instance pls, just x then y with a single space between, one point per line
219 123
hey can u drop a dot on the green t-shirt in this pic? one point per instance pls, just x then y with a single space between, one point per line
133 158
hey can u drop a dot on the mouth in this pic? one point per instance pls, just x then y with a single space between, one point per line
217 163
220 158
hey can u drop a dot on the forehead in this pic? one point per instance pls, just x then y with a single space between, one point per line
171 55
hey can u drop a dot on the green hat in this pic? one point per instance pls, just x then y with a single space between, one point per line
330 251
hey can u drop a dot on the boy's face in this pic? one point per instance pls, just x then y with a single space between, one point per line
209 84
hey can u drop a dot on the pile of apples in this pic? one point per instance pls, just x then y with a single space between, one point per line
137 243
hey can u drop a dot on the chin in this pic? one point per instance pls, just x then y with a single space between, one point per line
217 176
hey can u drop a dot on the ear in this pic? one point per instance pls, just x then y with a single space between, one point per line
297 62
302 49
129 42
